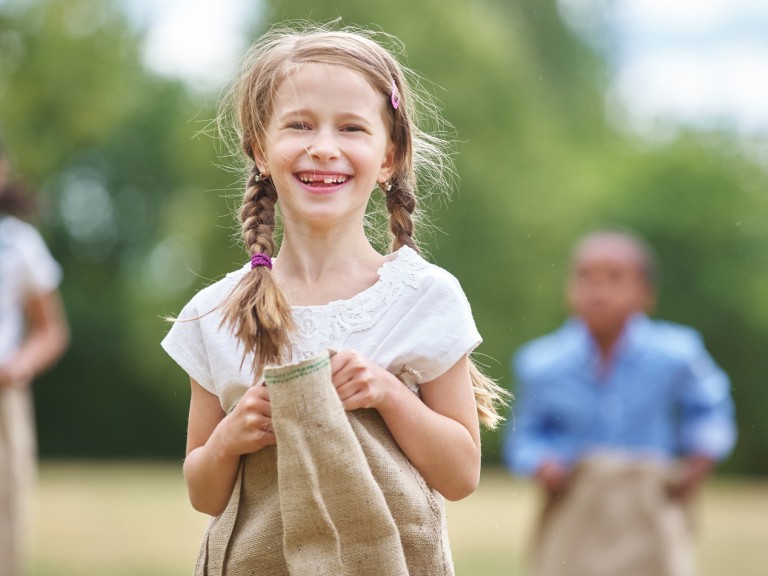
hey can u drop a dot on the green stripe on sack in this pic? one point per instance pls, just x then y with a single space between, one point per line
299 371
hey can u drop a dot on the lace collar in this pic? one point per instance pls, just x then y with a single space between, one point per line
326 326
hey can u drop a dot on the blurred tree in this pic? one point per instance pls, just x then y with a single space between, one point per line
112 147
539 164
524 95
140 207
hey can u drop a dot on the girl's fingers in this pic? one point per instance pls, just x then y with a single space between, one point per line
355 395
256 400
267 438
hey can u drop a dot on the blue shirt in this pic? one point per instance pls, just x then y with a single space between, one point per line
662 396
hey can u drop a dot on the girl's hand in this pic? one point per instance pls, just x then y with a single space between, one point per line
248 428
216 441
359 382
444 415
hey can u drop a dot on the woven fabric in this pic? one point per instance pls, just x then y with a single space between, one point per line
616 518
17 473
335 497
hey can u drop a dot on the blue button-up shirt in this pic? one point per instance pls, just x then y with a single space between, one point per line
661 396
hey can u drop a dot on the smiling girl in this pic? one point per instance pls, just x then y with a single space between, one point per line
326 119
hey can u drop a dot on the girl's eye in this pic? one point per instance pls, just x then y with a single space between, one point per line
297 126
352 128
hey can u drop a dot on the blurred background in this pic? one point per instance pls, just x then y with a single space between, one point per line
569 114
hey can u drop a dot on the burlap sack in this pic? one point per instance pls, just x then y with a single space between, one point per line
336 497
616 518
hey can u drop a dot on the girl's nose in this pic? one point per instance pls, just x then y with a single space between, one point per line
323 146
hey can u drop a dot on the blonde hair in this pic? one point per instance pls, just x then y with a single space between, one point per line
257 311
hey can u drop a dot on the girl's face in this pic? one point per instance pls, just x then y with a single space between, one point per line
327 145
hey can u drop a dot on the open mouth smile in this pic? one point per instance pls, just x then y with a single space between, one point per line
315 179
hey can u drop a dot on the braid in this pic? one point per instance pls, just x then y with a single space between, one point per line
257 311
257 214
401 205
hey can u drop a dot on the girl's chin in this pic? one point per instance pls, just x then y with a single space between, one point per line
322 215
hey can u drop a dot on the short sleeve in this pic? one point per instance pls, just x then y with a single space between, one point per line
185 344
436 330
40 273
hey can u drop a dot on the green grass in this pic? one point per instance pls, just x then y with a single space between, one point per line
122 519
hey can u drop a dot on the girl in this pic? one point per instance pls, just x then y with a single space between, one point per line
326 119
33 335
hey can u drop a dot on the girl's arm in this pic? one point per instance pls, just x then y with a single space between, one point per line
47 338
216 441
439 433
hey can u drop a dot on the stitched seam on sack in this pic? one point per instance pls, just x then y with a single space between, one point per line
297 373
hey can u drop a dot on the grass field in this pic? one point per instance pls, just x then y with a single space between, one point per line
133 519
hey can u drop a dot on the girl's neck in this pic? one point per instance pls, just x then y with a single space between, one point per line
316 269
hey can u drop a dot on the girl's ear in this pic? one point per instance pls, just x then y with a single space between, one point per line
388 165
258 159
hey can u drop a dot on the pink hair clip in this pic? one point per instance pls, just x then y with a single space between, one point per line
395 97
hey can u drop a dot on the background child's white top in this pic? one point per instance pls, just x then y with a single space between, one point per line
26 268
414 318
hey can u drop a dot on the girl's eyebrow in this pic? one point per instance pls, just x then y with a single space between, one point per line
297 113
303 112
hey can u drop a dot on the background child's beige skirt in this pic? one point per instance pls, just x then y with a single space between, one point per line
17 473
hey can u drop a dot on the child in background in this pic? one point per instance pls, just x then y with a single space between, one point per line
326 119
33 335
606 405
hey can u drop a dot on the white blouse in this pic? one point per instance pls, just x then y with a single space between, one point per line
414 319
26 268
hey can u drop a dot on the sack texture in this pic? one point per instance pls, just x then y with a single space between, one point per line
616 518
336 496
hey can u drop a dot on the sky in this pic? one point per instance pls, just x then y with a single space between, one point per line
198 40
697 61
673 62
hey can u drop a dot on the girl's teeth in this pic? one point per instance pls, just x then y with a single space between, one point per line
324 180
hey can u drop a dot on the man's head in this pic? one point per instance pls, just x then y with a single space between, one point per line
612 277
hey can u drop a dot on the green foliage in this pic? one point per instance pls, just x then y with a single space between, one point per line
137 199
113 149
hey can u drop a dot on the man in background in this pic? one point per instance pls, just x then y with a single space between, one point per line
619 419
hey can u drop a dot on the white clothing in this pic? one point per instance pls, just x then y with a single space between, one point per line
415 318
26 268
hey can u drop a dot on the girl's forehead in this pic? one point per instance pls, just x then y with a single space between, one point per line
327 88
300 72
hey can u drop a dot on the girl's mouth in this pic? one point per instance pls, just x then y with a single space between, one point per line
313 179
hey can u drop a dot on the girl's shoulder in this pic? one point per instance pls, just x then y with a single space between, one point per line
411 268
409 282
